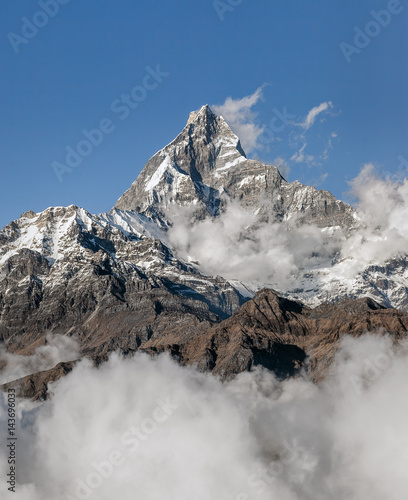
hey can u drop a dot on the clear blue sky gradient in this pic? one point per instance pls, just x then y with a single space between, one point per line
66 77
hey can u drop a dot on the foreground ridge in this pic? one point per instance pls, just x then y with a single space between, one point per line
268 331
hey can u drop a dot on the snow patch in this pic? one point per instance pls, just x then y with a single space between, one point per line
158 175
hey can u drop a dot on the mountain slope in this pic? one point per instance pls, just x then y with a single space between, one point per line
204 175
285 335
65 271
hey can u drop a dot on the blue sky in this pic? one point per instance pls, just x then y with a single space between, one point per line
67 76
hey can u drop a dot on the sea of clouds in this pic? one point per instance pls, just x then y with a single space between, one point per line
142 428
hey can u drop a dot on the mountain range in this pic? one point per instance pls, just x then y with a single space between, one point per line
193 259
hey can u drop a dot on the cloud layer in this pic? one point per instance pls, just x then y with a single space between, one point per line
150 429
236 245
240 245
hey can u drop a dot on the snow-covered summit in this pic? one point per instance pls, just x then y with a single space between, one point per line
206 167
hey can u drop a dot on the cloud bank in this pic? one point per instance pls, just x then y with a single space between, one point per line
239 244
236 245
382 218
150 429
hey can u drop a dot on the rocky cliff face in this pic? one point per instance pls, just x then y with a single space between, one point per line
284 335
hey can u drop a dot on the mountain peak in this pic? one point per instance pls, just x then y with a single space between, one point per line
189 170
205 167
205 112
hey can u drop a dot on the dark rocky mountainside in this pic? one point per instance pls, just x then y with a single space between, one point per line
80 278
269 330
285 335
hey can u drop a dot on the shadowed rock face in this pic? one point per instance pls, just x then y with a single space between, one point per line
284 335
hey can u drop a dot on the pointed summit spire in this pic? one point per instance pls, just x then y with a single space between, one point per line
191 168
204 111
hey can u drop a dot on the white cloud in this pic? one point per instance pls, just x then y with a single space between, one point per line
239 244
314 113
105 432
57 348
239 115
301 157
382 210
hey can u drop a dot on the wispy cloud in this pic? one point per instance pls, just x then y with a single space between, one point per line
301 157
256 137
326 152
239 115
314 113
